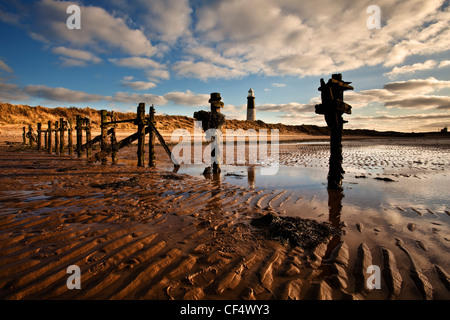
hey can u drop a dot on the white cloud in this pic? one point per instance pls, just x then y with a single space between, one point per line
205 70
138 85
11 92
75 57
135 62
61 94
166 19
134 98
98 29
427 65
278 85
187 98
154 70
5 67
444 63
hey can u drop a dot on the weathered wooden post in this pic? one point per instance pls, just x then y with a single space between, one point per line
87 123
211 123
49 136
332 107
141 133
39 136
24 136
217 119
78 128
69 137
151 147
45 141
104 132
56 137
30 135
62 128
114 158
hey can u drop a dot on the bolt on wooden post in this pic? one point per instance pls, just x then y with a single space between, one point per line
141 132
151 147
49 136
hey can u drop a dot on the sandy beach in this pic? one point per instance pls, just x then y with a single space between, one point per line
149 233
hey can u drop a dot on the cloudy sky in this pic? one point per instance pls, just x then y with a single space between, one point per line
174 53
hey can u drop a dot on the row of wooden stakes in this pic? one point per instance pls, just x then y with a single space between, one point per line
56 132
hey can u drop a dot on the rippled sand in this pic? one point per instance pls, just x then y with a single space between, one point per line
140 233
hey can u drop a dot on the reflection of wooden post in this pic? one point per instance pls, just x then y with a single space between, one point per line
79 136
88 137
151 148
62 146
104 132
49 136
39 136
141 132
56 138
24 135
69 138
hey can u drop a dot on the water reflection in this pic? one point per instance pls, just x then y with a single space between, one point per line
251 176
215 202
335 197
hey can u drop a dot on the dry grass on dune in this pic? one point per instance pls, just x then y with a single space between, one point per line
23 114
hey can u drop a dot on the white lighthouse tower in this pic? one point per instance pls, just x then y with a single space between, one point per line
251 115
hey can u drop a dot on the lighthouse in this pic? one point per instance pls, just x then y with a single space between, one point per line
251 115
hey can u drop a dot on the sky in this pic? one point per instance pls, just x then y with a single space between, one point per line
174 53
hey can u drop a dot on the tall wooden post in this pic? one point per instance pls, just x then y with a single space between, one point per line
39 136
141 132
24 136
30 135
62 146
333 107
114 149
104 132
45 141
69 138
88 137
56 137
151 147
49 136
79 135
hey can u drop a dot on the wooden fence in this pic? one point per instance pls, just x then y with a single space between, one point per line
56 133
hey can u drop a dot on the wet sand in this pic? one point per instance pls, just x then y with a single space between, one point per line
141 233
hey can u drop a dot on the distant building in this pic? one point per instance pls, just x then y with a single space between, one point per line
251 114
445 130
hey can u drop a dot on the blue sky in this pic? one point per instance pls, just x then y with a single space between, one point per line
174 53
